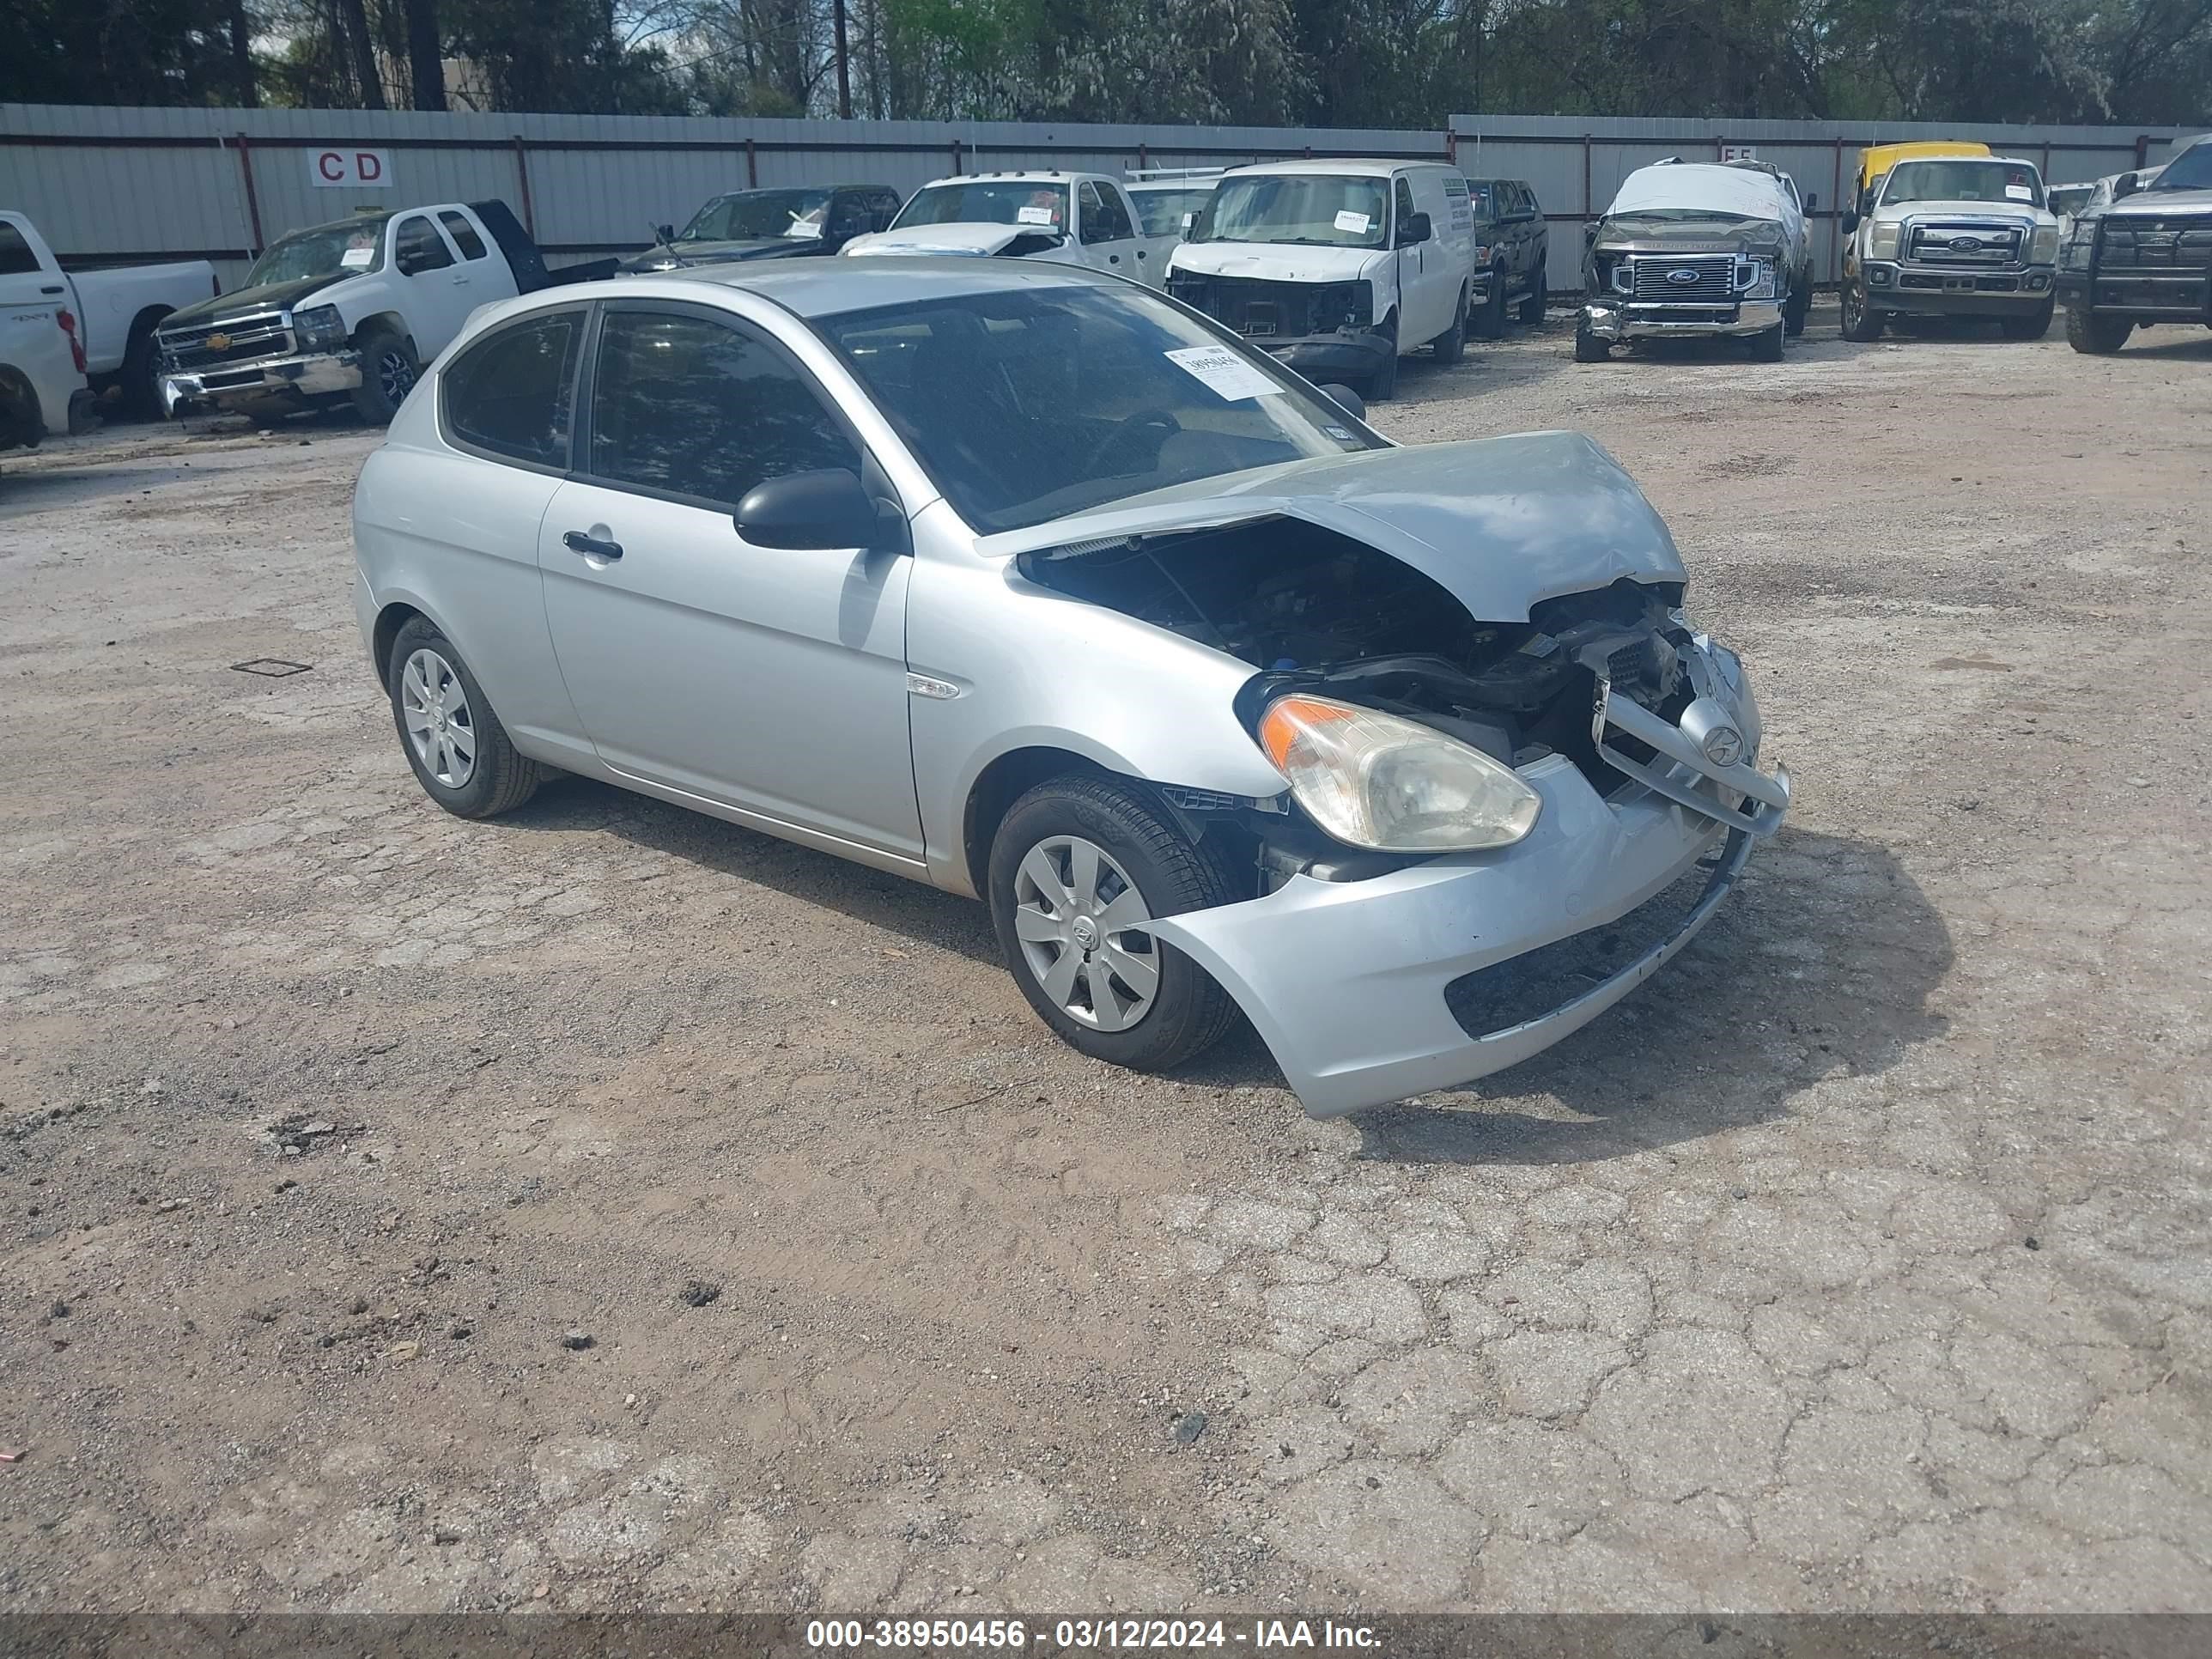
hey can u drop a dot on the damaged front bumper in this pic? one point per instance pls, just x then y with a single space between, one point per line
302 378
1945 291
1351 983
1347 354
1614 320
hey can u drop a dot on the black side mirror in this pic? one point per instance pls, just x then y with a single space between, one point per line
665 233
1346 399
1812 201
828 509
1850 222
2126 186
1414 228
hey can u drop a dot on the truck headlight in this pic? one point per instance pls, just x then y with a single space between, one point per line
1374 780
1755 278
2046 252
1882 241
318 328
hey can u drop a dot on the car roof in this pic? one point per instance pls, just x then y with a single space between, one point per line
1351 167
826 287
1020 175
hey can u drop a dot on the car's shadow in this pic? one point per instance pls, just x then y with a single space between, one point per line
1822 963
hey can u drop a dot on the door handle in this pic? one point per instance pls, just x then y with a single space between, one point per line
55 288
577 542
1113 259
1140 253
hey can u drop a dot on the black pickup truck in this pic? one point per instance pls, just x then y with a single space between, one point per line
2141 253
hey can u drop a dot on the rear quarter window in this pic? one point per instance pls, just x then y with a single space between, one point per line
15 254
511 395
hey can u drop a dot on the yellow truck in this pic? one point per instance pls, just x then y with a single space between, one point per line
1946 228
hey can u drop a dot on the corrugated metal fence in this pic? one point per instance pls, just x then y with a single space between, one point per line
121 186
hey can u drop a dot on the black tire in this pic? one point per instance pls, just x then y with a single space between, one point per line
142 374
1448 347
389 370
1862 322
2033 326
1383 384
1531 303
2100 336
1189 1012
499 777
1796 308
1766 344
1588 349
1490 321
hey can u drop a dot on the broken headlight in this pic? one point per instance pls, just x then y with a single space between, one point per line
1754 278
318 328
1373 780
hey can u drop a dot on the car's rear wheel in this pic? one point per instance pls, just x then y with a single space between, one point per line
1449 346
461 754
1862 322
2099 336
388 371
1079 867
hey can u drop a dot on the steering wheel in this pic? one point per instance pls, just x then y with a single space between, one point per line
1127 428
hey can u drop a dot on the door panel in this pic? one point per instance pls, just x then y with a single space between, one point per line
438 295
770 679
1109 235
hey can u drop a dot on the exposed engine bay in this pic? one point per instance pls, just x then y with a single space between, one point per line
1316 609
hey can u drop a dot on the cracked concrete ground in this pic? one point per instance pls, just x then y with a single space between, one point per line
1859 1262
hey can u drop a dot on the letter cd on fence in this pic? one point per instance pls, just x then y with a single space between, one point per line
358 169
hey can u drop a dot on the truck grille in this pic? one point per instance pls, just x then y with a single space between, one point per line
1965 244
1262 310
1657 279
230 340
2176 245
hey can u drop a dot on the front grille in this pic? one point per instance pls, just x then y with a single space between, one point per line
1966 245
1656 279
1262 310
2177 246
1962 283
262 334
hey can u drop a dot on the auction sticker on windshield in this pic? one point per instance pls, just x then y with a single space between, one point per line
358 259
1033 215
1228 375
2020 192
1356 224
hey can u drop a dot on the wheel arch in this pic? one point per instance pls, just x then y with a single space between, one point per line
1004 780
387 322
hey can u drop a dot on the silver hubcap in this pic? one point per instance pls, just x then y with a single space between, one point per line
434 708
1081 922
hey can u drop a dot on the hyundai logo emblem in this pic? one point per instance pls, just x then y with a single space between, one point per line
1683 277
1723 745
1965 243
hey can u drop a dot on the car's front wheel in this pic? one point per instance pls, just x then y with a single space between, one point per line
1079 868
1588 349
2097 336
389 370
1383 384
461 754
1862 323
2033 326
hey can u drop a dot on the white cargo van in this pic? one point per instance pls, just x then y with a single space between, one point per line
1336 266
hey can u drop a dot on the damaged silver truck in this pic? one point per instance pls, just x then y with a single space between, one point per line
1696 249
1028 583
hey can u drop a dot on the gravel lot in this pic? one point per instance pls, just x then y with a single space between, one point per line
1859 1262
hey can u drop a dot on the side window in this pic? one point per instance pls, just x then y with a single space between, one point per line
692 406
887 206
511 391
1114 210
15 255
1104 218
1405 198
464 235
416 246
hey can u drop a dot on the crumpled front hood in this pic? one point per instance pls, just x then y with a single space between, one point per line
1502 524
970 238
243 301
1274 262
1631 235
684 254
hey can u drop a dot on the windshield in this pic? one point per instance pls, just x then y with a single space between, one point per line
750 214
1955 180
1028 404
1312 211
2190 170
323 253
1170 212
994 202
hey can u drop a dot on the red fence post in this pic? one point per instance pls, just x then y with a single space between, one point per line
253 201
752 166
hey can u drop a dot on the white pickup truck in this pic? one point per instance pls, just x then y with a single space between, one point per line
350 311
1074 218
105 320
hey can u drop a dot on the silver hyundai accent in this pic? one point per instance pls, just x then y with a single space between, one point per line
1033 585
